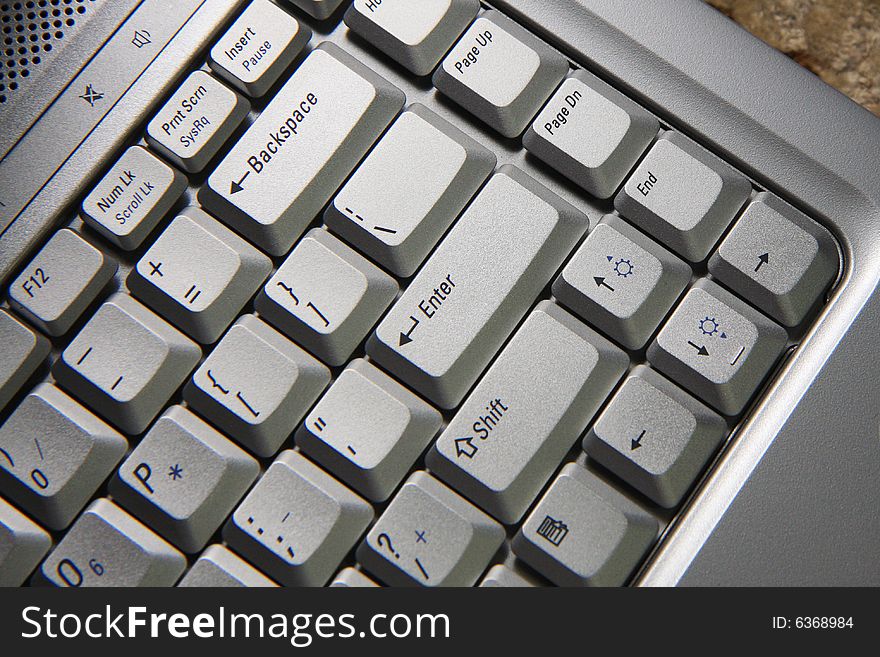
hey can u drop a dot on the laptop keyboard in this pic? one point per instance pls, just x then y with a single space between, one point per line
346 306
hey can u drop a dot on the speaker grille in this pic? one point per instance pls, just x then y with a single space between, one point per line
30 30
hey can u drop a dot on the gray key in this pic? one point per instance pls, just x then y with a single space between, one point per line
415 34
319 9
510 435
584 533
196 121
107 547
23 544
478 75
477 285
655 437
54 454
298 522
129 201
326 296
198 274
777 258
352 578
717 347
409 190
500 576
61 281
622 282
306 142
23 352
591 133
683 196
218 566
258 47
183 479
125 363
368 430
429 536
256 385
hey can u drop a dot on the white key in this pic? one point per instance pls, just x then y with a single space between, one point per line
306 142
478 284
54 454
298 522
183 479
196 121
61 281
258 47
501 576
218 566
352 578
199 274
415 34
500 72
409 190
591 133
23 352
23 544
107 547
125 363
429 536
130 200
256 385
510 435
319 9
326 296
368 430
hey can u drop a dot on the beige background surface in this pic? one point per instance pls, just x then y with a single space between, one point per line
839 40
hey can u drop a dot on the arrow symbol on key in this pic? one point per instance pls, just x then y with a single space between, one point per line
701 350
637 442
406 338
236 186
465 447
763 259
600 281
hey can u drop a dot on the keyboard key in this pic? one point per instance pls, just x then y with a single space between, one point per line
717 347
591 133
199 274
23 544
409 190
477 285
368 430
478 75
777 258
501 576
107 547
298 522
510 435
61 281
130 200
683 196
584 533
256 385
326 296
303 146
23 352
196 121
430 536
125 363
319 9
655 437
415 34
352 578
259 46
220 567
54 454
622 282
183 479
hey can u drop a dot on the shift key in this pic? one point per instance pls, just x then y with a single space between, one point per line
301 149
478 284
